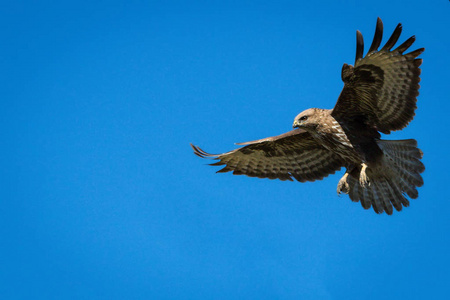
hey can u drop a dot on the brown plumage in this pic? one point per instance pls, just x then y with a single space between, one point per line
379 95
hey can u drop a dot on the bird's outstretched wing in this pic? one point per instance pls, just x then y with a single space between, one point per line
294 154
382 88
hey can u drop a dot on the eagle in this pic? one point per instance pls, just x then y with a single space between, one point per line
379 96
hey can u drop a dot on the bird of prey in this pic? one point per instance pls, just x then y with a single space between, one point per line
379 95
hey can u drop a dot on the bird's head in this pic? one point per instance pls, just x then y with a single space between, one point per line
307 119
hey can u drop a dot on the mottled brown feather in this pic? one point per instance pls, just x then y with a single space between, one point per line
383 86
291 155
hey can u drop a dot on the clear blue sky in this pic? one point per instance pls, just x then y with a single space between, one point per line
102 197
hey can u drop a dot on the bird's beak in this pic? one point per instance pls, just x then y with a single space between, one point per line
296 124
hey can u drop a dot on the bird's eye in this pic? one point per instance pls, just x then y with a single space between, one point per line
303 118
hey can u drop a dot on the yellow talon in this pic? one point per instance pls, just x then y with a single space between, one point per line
343 185
363 179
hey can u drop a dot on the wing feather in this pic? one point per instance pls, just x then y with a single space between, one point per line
393 39
293 155
359 46
383 86
378 36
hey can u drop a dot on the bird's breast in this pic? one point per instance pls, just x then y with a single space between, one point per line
333 137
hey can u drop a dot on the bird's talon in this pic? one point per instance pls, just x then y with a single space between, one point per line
363 179
343 186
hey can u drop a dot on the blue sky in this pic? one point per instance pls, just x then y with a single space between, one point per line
102 197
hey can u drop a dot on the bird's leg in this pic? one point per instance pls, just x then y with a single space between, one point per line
343 186
363 179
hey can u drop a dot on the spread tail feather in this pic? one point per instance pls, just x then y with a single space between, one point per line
398 177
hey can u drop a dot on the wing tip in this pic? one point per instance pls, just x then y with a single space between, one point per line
389 44
359 46
415 53
406 44
201 153
377 37
394 38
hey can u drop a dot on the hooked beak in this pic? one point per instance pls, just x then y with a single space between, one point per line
296 124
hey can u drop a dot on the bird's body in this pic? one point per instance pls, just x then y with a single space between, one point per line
334 135
355 142
379 95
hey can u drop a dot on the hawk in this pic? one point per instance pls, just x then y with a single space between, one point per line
379 95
